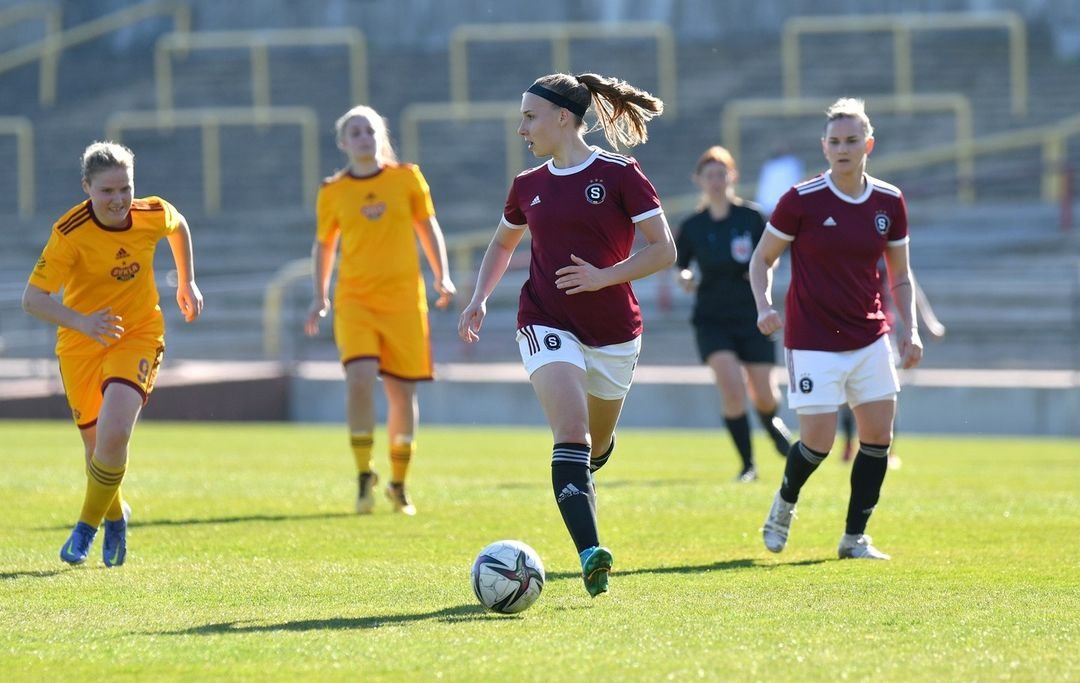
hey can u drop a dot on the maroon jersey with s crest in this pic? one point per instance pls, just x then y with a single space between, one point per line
588 210
834 301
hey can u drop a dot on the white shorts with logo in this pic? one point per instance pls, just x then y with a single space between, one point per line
822 381
609 370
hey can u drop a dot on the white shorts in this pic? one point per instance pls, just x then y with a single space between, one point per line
822 381
609 370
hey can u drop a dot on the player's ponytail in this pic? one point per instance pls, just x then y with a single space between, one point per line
622 111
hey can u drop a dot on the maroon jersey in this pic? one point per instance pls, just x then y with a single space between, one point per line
834 301
589 211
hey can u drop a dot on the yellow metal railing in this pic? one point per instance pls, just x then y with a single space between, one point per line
902 26
23 130
210 120
560 35
963 154
1053 139
259 44
508 112
48 50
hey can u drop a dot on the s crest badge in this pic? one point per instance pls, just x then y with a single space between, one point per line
882 222
595 193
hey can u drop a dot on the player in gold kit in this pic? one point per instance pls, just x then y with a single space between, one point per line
111 335
377 208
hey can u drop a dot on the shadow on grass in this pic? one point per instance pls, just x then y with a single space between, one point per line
745 563
450 615
39 574
602 484
220 520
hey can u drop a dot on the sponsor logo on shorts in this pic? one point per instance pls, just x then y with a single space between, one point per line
552 341
806 385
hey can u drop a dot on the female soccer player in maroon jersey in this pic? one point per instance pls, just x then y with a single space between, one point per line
838 225
579 324
376 208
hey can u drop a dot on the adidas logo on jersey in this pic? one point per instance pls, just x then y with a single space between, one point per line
829 222
122 253
535 201
568 491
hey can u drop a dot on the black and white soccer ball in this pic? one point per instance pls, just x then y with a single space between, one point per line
507 576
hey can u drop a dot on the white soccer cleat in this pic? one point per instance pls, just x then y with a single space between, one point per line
859 547
778 524
365 497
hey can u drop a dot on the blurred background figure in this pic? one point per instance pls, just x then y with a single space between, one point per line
718 240
778 173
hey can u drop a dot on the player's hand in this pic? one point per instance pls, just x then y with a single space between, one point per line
446 291
190 301
911 350
580 277
471 320
769 321
101 326
316 312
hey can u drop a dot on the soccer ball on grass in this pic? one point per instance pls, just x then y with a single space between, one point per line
507 576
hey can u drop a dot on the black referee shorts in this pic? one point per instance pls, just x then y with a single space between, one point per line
744 338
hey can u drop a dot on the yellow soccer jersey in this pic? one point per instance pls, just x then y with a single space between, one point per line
98 266
375 218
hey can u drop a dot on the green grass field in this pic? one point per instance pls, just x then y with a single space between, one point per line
245 563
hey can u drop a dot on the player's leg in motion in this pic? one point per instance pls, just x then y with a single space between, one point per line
729 381
818 429
874 420
119 410
360 376
561 390
118 514
603 418
402 412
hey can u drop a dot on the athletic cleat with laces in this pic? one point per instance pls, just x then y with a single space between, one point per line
114 548
778 524
365 498
746 476
595 567
78 544
400 499
859 547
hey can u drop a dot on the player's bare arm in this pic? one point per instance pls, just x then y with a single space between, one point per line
496 260
434 246
188 296
902 283
101 325
762 262
658 254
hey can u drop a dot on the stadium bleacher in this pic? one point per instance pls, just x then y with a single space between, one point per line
1011 234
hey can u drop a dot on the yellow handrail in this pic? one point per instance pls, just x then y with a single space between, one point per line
23 130
47 51
259 42
509 112
901 26
1051 138
274 302
560 35
209 121
955 103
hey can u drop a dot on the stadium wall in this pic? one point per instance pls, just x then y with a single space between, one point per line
997 402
